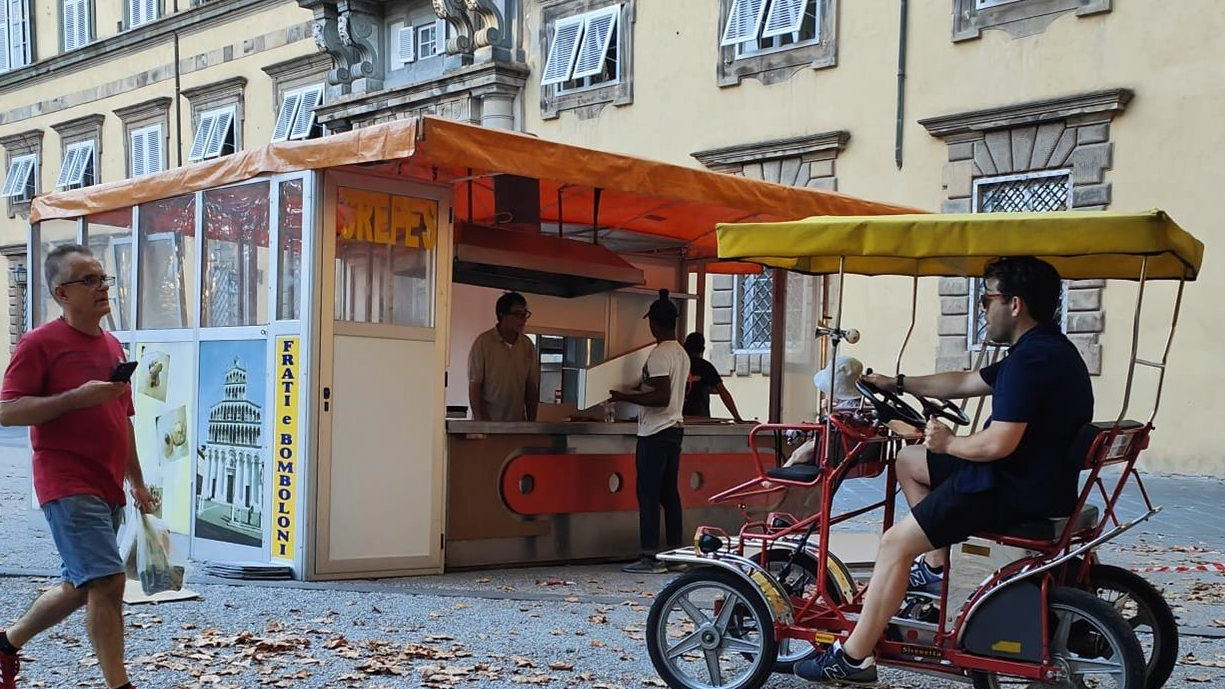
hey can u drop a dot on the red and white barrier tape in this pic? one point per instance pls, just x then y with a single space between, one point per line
1209 567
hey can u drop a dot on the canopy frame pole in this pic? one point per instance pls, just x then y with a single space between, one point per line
1135 340
835 339
595 215
914 306
470 180
1165 354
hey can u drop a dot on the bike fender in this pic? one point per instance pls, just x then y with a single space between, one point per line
837 569
771 591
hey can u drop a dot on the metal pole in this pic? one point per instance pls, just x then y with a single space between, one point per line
1165 354
1135 340
778 341
914 305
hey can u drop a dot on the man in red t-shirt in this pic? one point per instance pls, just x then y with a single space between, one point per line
84 448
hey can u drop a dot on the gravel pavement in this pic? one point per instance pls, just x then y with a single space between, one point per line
579 626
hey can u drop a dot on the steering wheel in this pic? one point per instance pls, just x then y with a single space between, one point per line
889 405
943 409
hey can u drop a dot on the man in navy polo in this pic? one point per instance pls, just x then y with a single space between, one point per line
1017 468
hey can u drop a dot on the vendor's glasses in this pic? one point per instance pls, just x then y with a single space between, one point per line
985 300
524 314
93 281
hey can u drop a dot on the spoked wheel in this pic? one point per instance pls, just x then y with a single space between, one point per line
1089 641
710 628
1146 612
801 584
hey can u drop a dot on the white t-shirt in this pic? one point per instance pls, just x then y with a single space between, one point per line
667 359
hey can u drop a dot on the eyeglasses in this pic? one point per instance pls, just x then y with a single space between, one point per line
985 300
92 281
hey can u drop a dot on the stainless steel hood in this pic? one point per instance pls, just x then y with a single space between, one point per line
527 261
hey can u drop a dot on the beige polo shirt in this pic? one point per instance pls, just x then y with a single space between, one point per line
504 371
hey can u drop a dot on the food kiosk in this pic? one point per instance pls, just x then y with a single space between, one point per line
301 315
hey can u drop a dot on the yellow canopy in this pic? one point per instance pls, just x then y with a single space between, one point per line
1082 245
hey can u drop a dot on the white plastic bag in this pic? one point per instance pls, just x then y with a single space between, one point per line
126 538
155 567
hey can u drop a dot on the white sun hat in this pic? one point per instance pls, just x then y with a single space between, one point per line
847 370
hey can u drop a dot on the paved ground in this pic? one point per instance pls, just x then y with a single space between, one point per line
576 626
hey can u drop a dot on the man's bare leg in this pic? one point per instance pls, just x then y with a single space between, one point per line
898 547
48 610
915 480
104 621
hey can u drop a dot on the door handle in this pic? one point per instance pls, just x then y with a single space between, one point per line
327 398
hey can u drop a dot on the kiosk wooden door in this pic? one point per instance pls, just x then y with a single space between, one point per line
382 340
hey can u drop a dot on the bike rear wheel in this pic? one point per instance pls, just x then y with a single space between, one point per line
1146 612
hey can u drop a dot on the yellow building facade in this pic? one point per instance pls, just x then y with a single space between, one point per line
960 105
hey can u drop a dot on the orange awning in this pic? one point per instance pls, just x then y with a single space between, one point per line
659 199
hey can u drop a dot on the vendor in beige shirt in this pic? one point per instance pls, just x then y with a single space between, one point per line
503 373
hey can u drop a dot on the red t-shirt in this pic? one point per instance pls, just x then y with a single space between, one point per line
86 451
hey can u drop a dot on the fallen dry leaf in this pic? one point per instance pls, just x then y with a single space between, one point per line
560 666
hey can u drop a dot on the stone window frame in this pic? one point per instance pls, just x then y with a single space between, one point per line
802 161
155 111
299 73
779 65
29 142
587 103
1069 132
1019 18
87 128
215 96
16 255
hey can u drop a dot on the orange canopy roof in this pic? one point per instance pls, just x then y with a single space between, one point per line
660 199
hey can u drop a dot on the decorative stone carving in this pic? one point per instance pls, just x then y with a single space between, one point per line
490 20
350 32
460 39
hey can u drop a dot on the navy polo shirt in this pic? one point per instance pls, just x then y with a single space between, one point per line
1044 383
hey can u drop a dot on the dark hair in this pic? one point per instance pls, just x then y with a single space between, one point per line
1035 281
53 265
695 342
506 302
663 312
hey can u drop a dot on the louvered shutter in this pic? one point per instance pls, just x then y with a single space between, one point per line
285 118
742 21
150 9
404 44
305 120
70 24
784 17
5 30
83 22
17 37
598 33
220 134
18 177
204 130
66 167
136 153
567 33
84 163
153 149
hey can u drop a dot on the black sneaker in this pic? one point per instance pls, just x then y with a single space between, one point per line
832 666
923 580
645 565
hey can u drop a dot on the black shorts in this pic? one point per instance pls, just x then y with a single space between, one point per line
950 514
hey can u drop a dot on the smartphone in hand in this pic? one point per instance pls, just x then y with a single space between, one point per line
123 372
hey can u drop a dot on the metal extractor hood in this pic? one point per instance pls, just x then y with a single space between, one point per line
528 261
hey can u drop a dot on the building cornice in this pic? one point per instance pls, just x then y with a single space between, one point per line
827 142
1108 103
299 67
156 107
218 89
79 126
28 139
188 21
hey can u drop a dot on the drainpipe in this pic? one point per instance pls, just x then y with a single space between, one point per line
901 85
178 100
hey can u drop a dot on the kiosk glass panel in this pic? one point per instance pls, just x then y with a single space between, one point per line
234 289
167 264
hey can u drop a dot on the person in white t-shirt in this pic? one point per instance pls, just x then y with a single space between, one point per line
657 457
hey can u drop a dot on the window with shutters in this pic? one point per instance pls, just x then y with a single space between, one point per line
770 40
586 56
15 32
142 12
214 135
79 167
21 182
431 39
1018 17
296 117
76 23
146 151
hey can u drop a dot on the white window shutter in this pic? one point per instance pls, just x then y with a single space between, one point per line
153 149
70 158
784 17
15 15
567 33
70 24
18 177
136 12
204 131
285 118
6 28
742 21
302 124
440 35
83 21
220 133
85 161
150 7
136 153
404 43
598 33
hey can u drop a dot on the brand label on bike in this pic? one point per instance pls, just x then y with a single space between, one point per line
921 652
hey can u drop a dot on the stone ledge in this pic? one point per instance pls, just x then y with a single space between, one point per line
1110 101
740 154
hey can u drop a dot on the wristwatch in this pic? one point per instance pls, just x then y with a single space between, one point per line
901 383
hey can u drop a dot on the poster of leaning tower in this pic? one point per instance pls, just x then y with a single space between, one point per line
230 462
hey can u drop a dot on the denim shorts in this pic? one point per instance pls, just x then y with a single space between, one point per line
84 529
